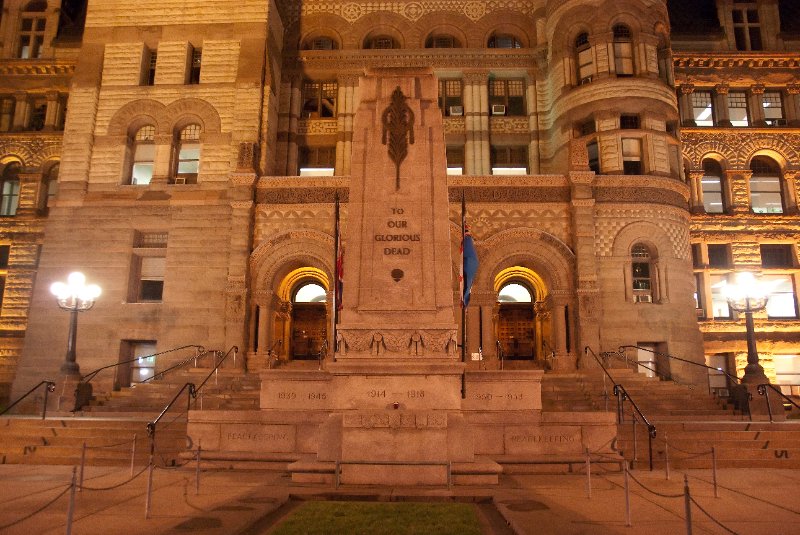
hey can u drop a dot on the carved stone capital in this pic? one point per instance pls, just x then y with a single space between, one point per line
722 89
476 78
687 89
793 89
758 89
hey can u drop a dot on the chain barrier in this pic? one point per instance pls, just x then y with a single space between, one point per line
717 522
36 512
695 453
109 445
651 491
112 487
750 496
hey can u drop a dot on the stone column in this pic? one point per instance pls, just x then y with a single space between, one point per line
53 113
739 184
685 104
162 171
348 85
560 328
241 190
792 196
533 126
721 112
696 192
793 104
756 105
28 188
22 111
294 118
476 121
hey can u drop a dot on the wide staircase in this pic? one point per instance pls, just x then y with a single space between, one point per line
693 429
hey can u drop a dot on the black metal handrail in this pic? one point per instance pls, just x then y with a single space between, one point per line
202 352
151 426
662 354
233 349
622 396
91 375
51 387
763 390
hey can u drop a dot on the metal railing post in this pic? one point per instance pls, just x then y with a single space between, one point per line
44 405
627 499
635 441
197 473
714 470
687 501
83 466
766 396
588 475
666 455
71 506
133 454
149 495
650 448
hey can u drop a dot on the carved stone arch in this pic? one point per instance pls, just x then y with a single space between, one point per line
498 22
383 23
18 152
48 152
271 261
9 158
133 115
643 232
176 112
319 25
776 148
540 251
456 24
696 153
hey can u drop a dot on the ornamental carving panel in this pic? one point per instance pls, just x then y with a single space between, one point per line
509 125
485 222
611 222
738 146
317 126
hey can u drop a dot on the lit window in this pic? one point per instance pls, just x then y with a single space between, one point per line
584 59
450 97
501 40
766 192
196 64
702 108
747 27
311 293
632 156
623 50
9 190
31 30
317 161
188 151
641 270
144 367
509 160
144 152
737 108
781 302
507 97
787 372
719 304
713 202
772 102
319 99
514 293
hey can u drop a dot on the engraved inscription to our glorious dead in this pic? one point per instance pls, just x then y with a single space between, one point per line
397 239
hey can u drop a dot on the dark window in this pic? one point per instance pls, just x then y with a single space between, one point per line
380 42
697 255
777 255
587 127
442 41
451 100
194 68
319 99
629 122
718 255
5 252
502 40
507 97
151 278
150 68
455 160
317 158
509 160
321 43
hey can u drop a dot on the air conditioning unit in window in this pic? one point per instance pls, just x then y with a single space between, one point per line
585 80
701 313
498 109
180 180
723 392
778 122
456 111
643 298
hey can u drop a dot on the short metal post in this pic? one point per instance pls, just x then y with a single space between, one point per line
714 470
650 448
44 405
83 466
627 499
687 502
635 442
149 497
133 454
197 473
336 470
588 475
769 405
666 455
71 506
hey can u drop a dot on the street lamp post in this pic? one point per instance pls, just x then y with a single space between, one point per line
74 296
749 295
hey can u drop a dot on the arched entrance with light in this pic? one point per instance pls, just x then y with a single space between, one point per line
302 323
523 326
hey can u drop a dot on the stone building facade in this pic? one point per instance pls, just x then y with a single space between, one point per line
205 144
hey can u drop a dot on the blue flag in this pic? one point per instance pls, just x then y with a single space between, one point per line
470 266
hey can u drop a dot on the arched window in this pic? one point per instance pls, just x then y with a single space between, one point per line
49 187
310 293
766 188
380 42
713 196
642 273
321 43
143 152
623 50
442 40
31 30
9 189
187 151
583 59
504 40
309 320
514 293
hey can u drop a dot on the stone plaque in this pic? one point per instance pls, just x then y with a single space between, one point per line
543 440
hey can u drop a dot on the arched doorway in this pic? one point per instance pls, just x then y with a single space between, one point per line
523 321
309 320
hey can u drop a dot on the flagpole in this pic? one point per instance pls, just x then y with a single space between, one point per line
335 282
463 307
